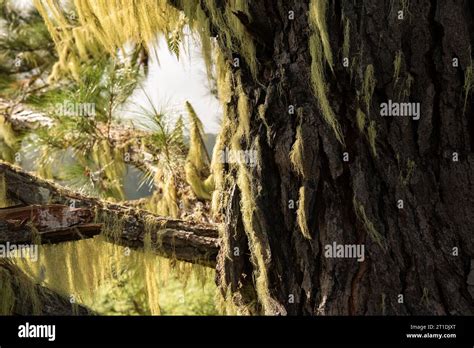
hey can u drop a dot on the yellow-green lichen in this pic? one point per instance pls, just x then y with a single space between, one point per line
372 135
368 86
368 225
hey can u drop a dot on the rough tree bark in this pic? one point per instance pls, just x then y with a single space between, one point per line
408 251
45 214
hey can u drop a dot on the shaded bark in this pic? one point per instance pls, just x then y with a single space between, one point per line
34 298
53 214
408 251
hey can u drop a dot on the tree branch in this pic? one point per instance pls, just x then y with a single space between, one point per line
55 214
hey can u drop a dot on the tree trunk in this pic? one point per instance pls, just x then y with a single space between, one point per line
391 184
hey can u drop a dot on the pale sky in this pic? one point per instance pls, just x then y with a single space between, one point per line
171 82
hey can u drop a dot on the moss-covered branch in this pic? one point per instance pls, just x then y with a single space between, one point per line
126 226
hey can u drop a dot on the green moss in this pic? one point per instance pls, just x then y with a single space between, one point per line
361 119
297 153
397 64
197 169
369 226
258 243
243 112
372 135
320 88
368 86
317 18
303 212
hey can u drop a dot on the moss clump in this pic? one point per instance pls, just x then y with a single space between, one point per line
372 135
320 50
369 226
368 86
243 112
397 64
319 86
317 18
258 243
303 211
197 165
361 119
297 153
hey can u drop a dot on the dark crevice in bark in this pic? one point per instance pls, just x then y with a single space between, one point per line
432 59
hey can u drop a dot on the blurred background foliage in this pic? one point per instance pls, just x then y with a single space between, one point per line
46 126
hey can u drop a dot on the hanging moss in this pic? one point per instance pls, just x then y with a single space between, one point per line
319 85
397 64
372 135
302 213
243 112
317 18
361 119
369 226
368 86
18 291
197 162
296 153
259 248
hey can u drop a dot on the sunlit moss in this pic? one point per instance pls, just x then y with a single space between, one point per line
80 269
198 162
369 226
317 18
243 112
361 119
303 212
297 153
320 87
